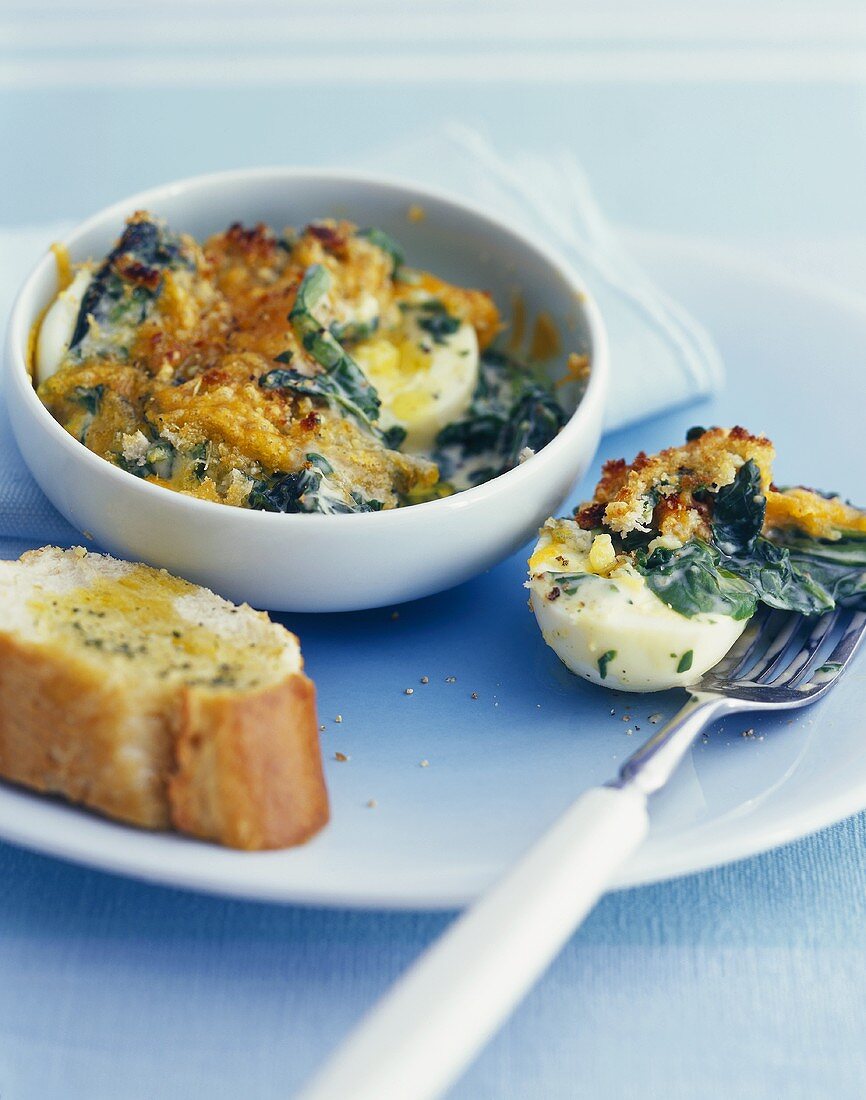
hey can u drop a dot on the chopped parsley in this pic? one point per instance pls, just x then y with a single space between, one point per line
437 321
603 661
685 662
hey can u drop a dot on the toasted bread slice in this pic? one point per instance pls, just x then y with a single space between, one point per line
155 701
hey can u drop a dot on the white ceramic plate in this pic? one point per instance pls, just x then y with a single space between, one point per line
504 765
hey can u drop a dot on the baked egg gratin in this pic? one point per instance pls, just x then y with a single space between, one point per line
652 581
305 371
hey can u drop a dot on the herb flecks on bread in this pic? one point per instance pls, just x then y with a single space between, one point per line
155 701
185 634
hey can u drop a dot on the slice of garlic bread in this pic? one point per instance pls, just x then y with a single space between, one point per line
155 701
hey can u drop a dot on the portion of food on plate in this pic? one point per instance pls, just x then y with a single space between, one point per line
308 371
156 702
654 579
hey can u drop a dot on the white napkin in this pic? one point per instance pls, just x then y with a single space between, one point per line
549 195
650 336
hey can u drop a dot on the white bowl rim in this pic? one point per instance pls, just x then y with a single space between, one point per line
22 318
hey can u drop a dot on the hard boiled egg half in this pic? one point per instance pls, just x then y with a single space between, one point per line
58 325
425 371
597 613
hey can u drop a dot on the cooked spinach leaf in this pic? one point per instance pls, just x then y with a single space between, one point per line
738 517
129 280
697 577
603 661
90 397
535 418
777 580
324 386
354 331
393 437
386 242
477 432
738 511
692 580
838 566
321 463
685 662
341 380
198 457
434 319
344 372
158 461
310 489
509 412
329 387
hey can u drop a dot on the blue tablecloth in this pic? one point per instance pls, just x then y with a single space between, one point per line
743 982
748 981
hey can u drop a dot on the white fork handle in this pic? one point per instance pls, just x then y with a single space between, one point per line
425 1031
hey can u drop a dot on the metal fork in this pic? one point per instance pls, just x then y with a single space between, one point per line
424 1032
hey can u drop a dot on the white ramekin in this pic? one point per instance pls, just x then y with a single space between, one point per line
313 562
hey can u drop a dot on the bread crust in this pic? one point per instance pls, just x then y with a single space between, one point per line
62 725
240 768
248 770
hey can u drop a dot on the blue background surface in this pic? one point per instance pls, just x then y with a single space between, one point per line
741 982
719 158
747 981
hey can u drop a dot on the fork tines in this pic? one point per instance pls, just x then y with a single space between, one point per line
789 652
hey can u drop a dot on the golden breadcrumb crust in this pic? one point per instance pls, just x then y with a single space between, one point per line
673 475
816 515
191 373
657 492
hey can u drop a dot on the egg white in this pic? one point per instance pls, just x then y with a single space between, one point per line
58 324
609 627
423 383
